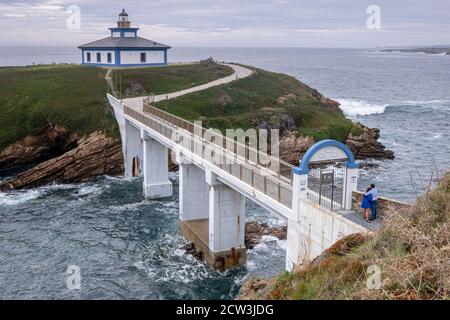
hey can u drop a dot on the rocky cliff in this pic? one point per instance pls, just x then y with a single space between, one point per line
49 142
94 155
367 146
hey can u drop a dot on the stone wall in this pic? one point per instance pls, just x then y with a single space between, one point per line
384 204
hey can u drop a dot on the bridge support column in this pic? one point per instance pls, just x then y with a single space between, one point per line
226 224
194 193
298 245
132 151
156 169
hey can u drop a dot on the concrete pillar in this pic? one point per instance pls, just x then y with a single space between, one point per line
226 224
297 249
194 193
156 169
133 154
351 185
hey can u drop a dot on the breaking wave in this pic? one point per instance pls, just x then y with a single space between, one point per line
355 107
18 197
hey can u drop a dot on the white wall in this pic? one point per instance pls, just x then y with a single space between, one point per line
116 34
129 34
134 57
104 55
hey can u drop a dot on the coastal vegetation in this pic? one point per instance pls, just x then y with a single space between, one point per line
144 81
265 99
49 113
74 97
411 251
68 95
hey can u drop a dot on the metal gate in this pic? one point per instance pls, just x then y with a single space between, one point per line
326 184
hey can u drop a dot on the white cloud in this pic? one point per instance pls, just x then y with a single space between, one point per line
230 22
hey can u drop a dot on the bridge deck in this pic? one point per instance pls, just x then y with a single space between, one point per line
276 184
266 174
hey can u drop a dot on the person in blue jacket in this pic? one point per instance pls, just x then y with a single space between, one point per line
366 204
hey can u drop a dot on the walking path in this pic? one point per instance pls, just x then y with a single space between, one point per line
239 73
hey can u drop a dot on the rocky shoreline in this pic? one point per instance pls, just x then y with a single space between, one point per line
86 158
60 156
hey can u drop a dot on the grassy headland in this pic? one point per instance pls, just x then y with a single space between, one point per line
264 96
75 96
68 95
411 250
144 81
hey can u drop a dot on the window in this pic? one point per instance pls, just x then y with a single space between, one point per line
109 57
143 57
99 57
88 57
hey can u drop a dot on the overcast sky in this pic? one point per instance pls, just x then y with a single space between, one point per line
267 23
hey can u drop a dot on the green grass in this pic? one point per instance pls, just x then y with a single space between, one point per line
168 79
67 95
236 104
75 96
411 250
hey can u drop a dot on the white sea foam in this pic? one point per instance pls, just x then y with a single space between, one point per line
18 197
353 107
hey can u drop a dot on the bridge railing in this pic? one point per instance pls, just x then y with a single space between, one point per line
277 166
273 184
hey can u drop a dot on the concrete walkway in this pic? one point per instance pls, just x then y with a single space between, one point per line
357 217
239 73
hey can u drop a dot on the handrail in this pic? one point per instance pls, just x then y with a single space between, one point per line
268 182
284 170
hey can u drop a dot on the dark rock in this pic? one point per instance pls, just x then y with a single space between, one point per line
293 147
274 118
366 145
254 232
135 88
49 142
95 155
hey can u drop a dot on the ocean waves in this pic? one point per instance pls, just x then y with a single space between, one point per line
356 107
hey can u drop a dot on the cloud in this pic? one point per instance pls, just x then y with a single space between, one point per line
230 22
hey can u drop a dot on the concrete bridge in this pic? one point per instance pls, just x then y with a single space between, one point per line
215 178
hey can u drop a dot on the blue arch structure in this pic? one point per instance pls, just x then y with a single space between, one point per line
303 168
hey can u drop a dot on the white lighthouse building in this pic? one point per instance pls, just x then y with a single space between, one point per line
123 48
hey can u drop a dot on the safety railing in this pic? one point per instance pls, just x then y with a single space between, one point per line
262 159
274 184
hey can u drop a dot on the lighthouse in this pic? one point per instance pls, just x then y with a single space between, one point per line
124 48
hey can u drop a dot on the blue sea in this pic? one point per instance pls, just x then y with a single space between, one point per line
128 248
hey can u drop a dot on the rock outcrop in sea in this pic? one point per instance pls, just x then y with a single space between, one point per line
367 146
49 142
94 155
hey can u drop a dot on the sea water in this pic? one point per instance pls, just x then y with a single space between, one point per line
128 248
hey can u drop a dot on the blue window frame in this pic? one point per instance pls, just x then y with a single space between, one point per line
99 57
109 57
88 57
143 57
